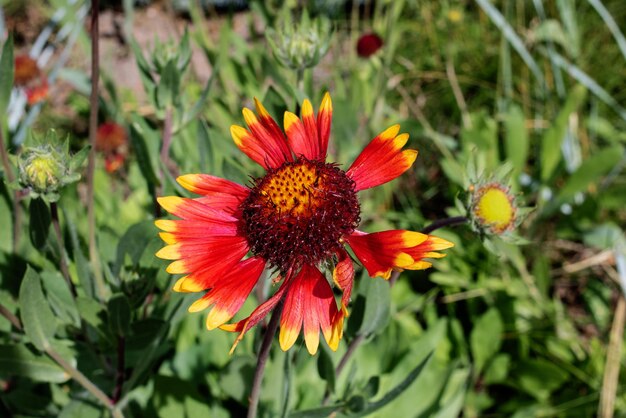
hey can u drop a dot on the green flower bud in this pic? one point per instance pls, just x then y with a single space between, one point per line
45 168
303 45
41 171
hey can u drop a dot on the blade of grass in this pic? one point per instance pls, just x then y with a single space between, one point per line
588 82
510 34
611 24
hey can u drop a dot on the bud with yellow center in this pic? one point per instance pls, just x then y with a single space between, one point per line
45 168
42 172
493 208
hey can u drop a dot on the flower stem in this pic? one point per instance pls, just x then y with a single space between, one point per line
54 213
80 378
14 320
264 352
17 209
455 220
94 257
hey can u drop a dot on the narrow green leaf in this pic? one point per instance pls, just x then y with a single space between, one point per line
167 89
39 225
486 338
593 86
326 368
397 390
516 139
83 268
322 412
6 69
119 314
552 139
611 24
377 307
37 317
145 142
60 297
19 360
591 171
510 34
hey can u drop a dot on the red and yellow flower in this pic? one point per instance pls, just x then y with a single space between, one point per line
28 76
297 219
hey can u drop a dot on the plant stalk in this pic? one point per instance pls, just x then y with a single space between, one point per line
264 352
94 257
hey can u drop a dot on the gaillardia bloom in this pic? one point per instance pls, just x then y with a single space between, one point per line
297 219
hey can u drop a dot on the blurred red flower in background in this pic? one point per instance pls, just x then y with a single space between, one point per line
368 44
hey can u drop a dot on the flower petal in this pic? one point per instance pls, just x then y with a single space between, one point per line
299 141
202 259
310 303
273 141
192 209
310 126
218 193
343 276
230 292
250 145
324 120
257 315
382 160
382 252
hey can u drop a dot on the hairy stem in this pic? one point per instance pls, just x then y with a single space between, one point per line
54 213
17 209
80 378
94 257
264 352
14 320
455 220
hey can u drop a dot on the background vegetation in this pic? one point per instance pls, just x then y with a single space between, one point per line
522 326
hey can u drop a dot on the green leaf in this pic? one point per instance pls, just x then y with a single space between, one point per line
145 142
119 314
60 297
373 304
80 409
83 268
539 377
19 360
516 139
322 412
7 67
486 338
91 311
39 225
79 158
552 139
326 368
37 317
397 390
590 171
167 91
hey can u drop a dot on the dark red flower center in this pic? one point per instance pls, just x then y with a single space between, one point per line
298 213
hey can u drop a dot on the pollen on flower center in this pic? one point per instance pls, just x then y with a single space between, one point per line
298 212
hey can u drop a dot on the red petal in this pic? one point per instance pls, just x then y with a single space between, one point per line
192 209
310 303
257 315
382 252
343 276
299 141
324 120
310 126
272 141
230 292
204 260
382 160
